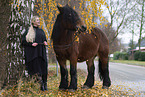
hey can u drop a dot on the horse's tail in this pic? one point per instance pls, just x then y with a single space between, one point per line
102 70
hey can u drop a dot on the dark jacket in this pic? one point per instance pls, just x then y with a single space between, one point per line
34 52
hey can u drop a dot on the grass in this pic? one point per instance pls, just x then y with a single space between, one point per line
130 62
30 88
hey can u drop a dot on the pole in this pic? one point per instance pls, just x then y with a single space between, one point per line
56 67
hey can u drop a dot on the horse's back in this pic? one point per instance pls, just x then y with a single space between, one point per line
103 41
91 44
101 35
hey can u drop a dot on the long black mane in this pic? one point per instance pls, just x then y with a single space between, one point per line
56 29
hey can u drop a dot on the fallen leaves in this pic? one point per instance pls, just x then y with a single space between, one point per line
31 88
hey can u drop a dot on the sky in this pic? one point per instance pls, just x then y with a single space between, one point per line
124 37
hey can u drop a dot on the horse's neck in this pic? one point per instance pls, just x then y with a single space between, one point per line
62 36
67 36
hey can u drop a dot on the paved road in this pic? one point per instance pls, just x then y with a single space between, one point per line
123 75
128 76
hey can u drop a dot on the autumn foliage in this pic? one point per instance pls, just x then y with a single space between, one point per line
88 10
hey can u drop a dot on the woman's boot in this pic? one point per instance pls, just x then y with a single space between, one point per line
42 86
45 86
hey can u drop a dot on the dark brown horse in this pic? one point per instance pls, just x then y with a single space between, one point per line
71 41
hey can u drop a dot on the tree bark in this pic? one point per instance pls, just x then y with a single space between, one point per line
141 25
4 21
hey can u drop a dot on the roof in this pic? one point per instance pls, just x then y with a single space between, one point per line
137 48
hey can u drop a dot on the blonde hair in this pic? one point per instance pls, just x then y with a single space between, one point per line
30 37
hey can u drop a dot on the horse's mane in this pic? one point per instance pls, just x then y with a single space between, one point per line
56 28
57 25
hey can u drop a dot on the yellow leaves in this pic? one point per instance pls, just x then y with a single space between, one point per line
77 39
92 11
100 23
47 11
106 25
102 2
108 7
74 7
87 14
32 89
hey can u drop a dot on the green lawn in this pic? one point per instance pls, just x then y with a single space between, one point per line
131 62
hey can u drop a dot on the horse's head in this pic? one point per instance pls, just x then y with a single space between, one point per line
69 18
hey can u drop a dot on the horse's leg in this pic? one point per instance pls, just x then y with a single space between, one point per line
64 74
73 74
90 78
104 70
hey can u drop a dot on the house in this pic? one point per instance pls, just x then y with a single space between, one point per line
142 49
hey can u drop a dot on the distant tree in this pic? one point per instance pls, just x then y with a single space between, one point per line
142 43
118 12
141 19
110 32
131 45
136 20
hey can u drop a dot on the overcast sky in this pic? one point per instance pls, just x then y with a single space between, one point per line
126 36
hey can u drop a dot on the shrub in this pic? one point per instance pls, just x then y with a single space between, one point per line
116 55
139 56
142 56
120 56
136 55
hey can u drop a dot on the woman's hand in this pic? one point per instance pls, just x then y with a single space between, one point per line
45 43
34 44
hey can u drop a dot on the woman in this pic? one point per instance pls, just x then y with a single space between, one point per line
34 42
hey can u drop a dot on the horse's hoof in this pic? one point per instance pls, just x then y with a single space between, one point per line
85 87
105 87
71 90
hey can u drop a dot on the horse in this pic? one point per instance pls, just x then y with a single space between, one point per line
73 42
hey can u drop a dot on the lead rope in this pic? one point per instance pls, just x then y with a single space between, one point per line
63 47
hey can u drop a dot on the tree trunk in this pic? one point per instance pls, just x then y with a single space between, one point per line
141 25
4 21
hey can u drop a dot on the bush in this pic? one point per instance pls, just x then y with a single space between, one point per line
142 56
139 56
120 56
116 56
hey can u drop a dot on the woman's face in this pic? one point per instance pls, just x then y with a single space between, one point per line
36 23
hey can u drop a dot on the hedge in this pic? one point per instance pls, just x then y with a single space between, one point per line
120 56
139 56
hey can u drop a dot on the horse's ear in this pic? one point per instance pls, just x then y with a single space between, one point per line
60 9
67 5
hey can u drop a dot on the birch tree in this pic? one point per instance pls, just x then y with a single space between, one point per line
21 13
4 22
118 11
141 19
136 21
